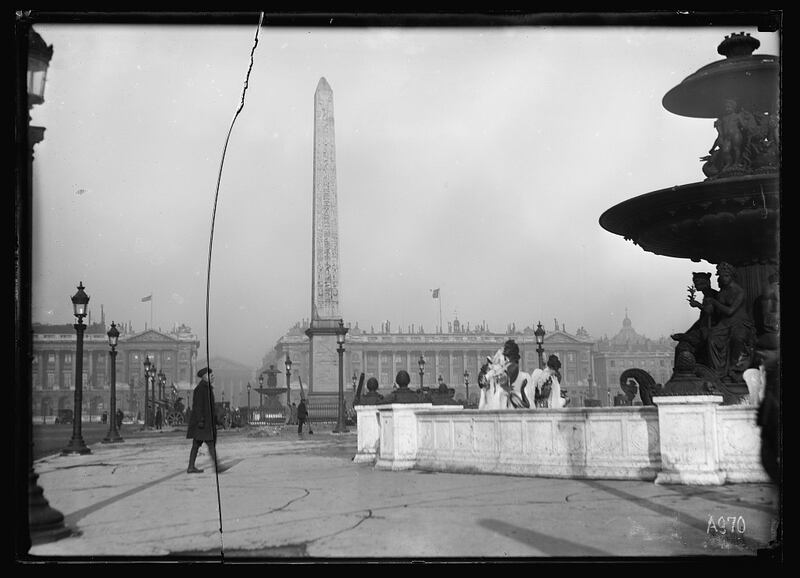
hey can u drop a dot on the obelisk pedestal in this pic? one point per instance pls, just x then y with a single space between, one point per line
325 317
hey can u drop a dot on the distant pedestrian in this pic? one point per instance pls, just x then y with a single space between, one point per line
202 423
120 417
302 416
293 414
159 418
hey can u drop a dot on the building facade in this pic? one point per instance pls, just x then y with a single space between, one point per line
230 381
53 367
381 354
626 350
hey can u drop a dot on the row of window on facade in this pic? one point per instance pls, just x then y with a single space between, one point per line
638 363
66 358
386 357
103 381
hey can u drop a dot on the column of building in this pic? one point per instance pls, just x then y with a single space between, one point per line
59 378
92 377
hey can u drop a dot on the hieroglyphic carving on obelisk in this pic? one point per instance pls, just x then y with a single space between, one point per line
325 240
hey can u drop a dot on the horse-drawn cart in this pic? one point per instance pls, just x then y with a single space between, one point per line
172 410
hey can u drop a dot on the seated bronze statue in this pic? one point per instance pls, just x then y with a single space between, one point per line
712 355
403 394
372 397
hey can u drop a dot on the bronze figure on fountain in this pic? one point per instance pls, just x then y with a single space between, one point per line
720 345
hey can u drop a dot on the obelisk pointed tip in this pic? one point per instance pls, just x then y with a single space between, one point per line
323 85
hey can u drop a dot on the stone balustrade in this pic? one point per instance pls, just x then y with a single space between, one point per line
682 440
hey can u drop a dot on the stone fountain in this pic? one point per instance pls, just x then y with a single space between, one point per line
732 216
273 404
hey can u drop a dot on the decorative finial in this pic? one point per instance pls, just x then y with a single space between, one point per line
737 45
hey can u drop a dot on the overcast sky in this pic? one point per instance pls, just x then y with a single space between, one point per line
474 160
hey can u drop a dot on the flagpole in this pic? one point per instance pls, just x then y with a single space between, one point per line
441 328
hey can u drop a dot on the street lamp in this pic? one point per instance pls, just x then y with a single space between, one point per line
44 522
162 384
113 435
80 302
421 362
341 331
248 401
539 333
466 384
152 375
146 391
260 395
288 364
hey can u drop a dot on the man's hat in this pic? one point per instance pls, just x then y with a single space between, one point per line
203 371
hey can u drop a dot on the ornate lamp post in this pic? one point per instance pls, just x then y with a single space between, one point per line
76 445
146 391
113 435
466 384
539 333
341 331
162 384
421 362
288 364
152 375
44 523
248 402
260 395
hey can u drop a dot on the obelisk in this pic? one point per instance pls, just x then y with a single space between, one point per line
323 357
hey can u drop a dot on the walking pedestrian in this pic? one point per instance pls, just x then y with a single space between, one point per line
202 423
120 417
159 418
302 416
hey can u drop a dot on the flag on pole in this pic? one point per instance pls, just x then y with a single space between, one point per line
435 293
148 298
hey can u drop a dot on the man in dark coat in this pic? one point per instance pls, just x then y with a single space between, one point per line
202 423
302 416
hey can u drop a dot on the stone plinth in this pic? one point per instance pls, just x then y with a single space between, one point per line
323 374
398 434
739 439
689 447
369 433
398 431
